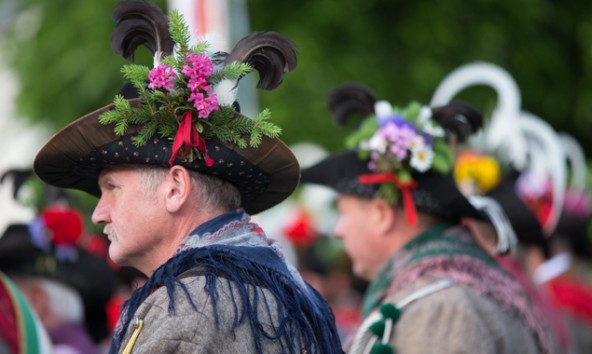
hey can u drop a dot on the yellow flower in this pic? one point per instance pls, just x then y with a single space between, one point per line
479 170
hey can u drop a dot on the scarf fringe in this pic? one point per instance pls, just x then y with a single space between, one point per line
306 322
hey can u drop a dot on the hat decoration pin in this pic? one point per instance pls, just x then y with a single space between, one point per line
397 142
484 171
186 96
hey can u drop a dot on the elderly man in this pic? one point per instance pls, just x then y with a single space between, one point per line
178 171
433 288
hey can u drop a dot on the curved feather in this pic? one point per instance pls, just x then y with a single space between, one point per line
140 23
18 176
498 134
459 118
270 53
547 159
577 161
351 100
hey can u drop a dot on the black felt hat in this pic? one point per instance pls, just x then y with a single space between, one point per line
434 192
265 173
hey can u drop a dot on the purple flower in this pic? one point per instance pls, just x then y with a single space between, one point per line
162 77
400 151
396 119
428 139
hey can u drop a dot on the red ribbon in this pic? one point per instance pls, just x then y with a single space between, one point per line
188 135
405 187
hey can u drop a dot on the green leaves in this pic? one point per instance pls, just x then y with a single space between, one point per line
365 132
232 71
178 29
228 127
137 74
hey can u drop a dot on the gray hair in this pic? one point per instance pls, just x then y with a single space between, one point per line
216 192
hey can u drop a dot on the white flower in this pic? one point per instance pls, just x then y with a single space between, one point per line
424 116
418 142
421 158
424 120
433 129
382 109
378 143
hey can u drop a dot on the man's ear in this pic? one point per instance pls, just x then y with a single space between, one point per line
383 216
178 188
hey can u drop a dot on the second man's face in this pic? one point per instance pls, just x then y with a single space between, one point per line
355 227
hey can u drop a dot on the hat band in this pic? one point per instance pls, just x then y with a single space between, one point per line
404 187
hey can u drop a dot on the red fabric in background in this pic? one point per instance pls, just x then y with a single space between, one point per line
572 296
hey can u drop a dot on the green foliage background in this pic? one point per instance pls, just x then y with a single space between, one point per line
402 49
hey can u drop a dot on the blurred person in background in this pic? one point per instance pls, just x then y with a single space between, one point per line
67 286
21 332
432 284
479 177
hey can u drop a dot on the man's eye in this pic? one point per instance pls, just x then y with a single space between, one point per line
108 186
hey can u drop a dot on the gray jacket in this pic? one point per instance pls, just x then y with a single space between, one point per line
155 330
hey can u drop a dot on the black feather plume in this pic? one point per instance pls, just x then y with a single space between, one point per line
459 118
351 100
19 177
270 53
140 23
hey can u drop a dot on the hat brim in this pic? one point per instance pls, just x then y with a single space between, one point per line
64 161
435 194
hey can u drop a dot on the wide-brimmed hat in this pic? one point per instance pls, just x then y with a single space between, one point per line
185 114
375 167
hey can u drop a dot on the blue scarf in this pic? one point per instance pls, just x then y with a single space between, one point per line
231 248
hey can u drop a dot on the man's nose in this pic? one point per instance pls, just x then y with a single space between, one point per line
100 215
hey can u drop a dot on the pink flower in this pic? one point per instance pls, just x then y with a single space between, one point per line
201 65
199 83
162 77
204 105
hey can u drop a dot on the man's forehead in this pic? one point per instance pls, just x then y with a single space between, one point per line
110 170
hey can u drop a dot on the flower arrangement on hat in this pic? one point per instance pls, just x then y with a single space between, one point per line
57 232
399 142
179 101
